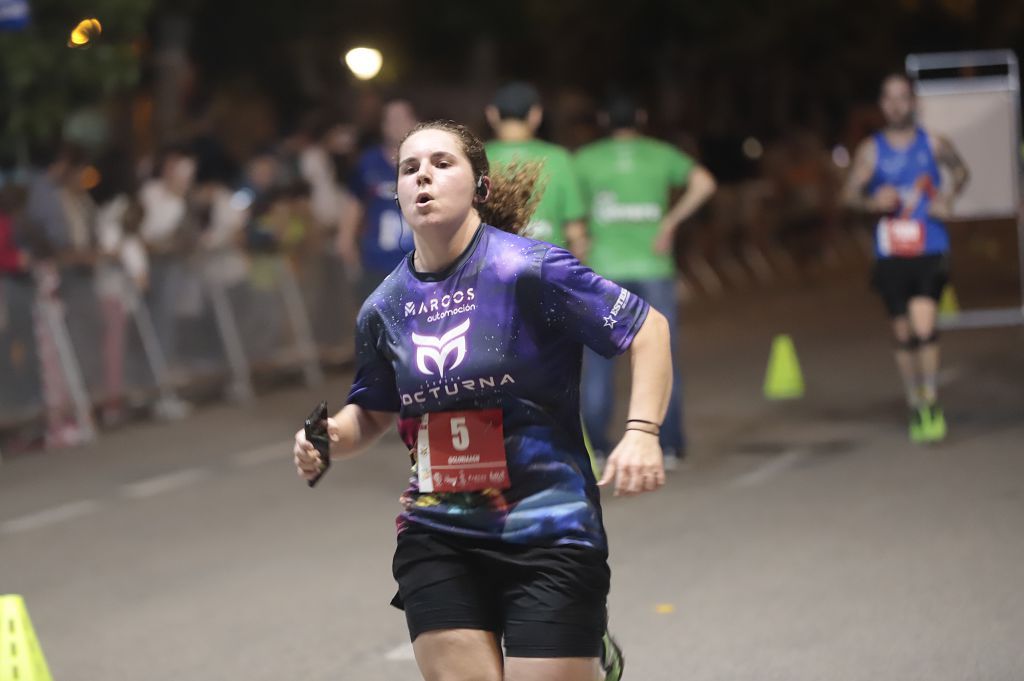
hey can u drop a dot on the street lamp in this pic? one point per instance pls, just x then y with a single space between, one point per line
364 62
85 31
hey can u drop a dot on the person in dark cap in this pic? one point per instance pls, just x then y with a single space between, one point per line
628 180
514 114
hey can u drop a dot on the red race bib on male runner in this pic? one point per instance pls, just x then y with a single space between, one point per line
901 237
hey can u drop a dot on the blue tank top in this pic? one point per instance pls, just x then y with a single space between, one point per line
909 232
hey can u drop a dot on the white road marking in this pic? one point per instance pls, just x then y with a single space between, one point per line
149 487
50 516
402 653
162 483
279 451
769 469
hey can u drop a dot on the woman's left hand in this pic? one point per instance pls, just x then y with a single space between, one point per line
636 465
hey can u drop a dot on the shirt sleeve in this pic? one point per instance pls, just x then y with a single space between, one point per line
680 167
374 386
593 310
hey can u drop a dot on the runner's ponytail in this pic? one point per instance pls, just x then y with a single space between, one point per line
515 190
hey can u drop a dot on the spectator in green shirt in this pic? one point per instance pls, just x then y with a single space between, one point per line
628 180
515 114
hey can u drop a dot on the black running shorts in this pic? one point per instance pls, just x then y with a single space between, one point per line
897 280
546 601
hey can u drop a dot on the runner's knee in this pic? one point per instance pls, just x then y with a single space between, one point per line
909 344
905 339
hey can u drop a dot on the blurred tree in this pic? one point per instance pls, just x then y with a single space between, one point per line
44 80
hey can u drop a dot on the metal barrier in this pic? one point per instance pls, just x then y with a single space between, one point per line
738 243
212 321
194 330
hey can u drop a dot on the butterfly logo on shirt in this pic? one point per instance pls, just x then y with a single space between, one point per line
437 349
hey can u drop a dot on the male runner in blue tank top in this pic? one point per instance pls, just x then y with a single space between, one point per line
896 178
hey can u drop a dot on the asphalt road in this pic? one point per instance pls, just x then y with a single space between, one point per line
804 540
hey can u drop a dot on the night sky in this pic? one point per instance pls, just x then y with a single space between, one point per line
822 53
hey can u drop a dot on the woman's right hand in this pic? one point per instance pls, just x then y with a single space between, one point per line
349 432
307 459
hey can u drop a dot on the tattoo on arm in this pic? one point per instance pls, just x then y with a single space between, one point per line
947 155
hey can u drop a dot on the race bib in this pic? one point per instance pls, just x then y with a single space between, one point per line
461 451
900 237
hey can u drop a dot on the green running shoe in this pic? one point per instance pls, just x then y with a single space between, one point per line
934 422
917 433
612 661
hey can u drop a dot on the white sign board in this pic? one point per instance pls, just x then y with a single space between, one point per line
983 127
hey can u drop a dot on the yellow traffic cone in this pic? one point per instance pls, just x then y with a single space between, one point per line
783 380
949 306
21 658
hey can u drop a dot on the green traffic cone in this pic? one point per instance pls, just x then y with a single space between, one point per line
783 380
21 657
949 306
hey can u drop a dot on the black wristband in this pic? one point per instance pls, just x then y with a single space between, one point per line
641 430
650 423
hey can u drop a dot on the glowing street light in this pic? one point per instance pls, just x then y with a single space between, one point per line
87 30
364 62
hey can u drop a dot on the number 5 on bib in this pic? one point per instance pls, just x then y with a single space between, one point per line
461 451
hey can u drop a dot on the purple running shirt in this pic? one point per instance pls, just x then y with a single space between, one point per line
504 327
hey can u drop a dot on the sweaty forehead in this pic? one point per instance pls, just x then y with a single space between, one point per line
428 142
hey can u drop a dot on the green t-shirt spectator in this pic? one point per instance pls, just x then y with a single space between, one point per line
561 202
627 184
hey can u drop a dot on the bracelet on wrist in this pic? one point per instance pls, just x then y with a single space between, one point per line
650 423
642 430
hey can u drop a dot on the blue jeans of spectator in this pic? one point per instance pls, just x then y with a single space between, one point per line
598 398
